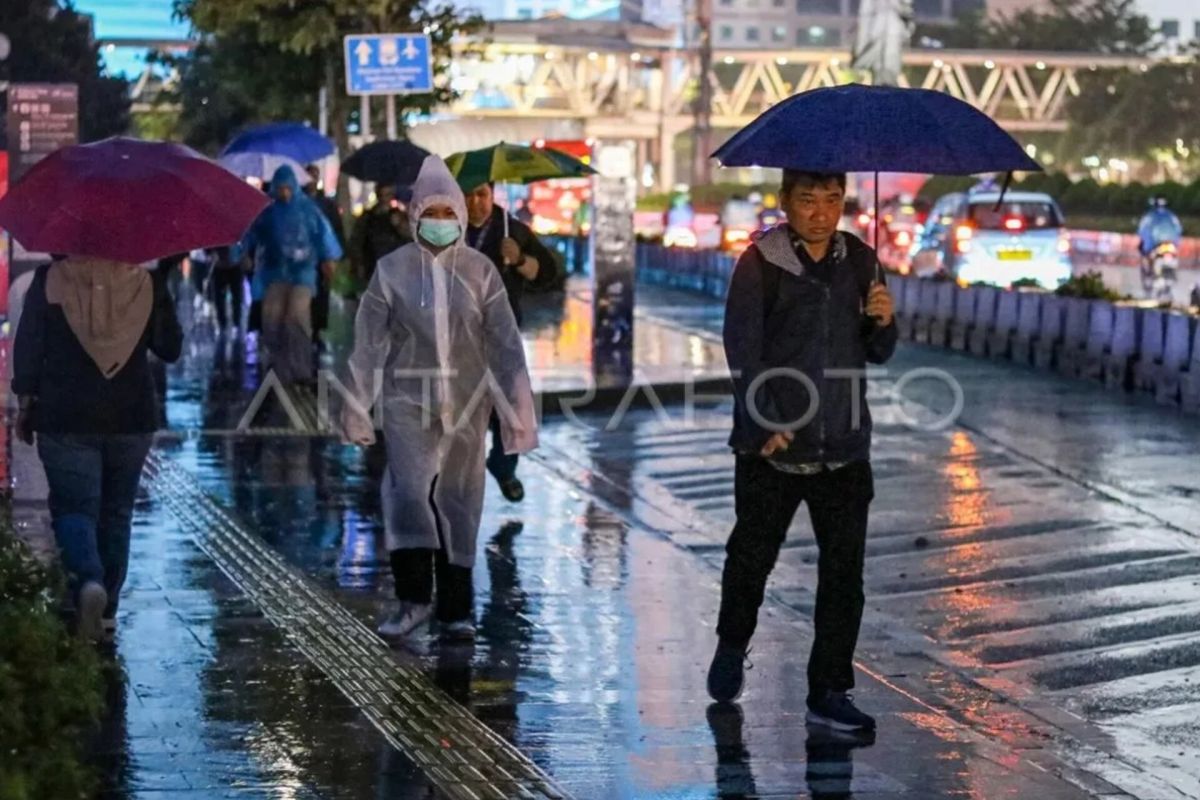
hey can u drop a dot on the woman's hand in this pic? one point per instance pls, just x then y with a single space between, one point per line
357 429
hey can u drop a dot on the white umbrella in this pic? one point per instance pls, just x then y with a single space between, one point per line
262 166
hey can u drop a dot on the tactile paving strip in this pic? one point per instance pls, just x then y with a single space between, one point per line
461 756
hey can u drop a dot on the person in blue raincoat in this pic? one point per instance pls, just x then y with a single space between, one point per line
1158 225
289 242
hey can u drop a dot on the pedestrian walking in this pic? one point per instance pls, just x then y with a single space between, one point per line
85 388
436 325
333 215
228 282
381 229
81 371
805 314
291 244
522 261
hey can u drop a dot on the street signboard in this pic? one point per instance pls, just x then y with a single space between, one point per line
388 63
42 117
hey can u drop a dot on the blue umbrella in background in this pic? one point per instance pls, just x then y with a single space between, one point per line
858 128
290 139
261 165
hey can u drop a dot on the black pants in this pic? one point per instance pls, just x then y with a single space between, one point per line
414 570
227 282
320 307
766 500
501 465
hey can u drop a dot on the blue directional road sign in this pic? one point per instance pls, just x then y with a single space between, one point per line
388 63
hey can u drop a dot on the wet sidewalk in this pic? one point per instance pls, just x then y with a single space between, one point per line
596 600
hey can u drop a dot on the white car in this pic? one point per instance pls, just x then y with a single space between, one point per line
976 238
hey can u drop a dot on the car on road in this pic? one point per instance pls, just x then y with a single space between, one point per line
739 221
981 237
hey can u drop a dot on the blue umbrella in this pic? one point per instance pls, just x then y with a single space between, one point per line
858 128
290 139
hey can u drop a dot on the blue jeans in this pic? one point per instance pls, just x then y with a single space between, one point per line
501 465
93 485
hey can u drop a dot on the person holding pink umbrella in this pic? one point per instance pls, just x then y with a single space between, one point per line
80 370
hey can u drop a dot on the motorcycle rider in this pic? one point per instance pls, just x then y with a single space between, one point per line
1157 227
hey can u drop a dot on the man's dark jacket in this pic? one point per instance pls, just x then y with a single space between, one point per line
487 239
779 315
375 235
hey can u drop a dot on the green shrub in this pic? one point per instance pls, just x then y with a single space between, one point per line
1174 192
1026 283
1083 197
940 185
50 685
1054 184
1090 286
1131 199
654 202
1191 199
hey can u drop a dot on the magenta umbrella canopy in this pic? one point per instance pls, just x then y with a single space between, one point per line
128 200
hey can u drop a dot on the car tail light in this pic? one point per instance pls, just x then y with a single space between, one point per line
733 236
1015 224
962 238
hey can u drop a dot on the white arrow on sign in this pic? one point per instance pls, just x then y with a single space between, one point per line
363 51
410 50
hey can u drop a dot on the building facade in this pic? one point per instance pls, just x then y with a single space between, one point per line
1177 21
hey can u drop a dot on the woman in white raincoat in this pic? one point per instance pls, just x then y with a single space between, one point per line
435 347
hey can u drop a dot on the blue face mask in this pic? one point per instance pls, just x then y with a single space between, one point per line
440 232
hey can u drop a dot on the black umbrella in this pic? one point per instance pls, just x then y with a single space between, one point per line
391 161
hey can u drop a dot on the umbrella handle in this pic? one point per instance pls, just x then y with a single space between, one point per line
508 207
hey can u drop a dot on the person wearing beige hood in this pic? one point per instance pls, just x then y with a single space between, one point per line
86 390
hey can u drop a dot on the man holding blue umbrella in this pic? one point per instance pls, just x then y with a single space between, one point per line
807 311
804 316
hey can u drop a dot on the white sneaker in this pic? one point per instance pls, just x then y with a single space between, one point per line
406 619
462 629
92 600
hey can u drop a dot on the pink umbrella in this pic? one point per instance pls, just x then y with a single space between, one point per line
128 200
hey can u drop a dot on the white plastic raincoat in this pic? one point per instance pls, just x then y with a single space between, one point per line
435 347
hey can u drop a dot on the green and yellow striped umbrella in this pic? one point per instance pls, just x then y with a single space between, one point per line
513 163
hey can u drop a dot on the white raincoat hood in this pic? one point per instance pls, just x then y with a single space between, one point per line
435 186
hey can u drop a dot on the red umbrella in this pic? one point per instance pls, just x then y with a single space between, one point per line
128 200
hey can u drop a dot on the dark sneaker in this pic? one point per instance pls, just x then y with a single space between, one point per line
460 630
513 490
836 710
726 674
